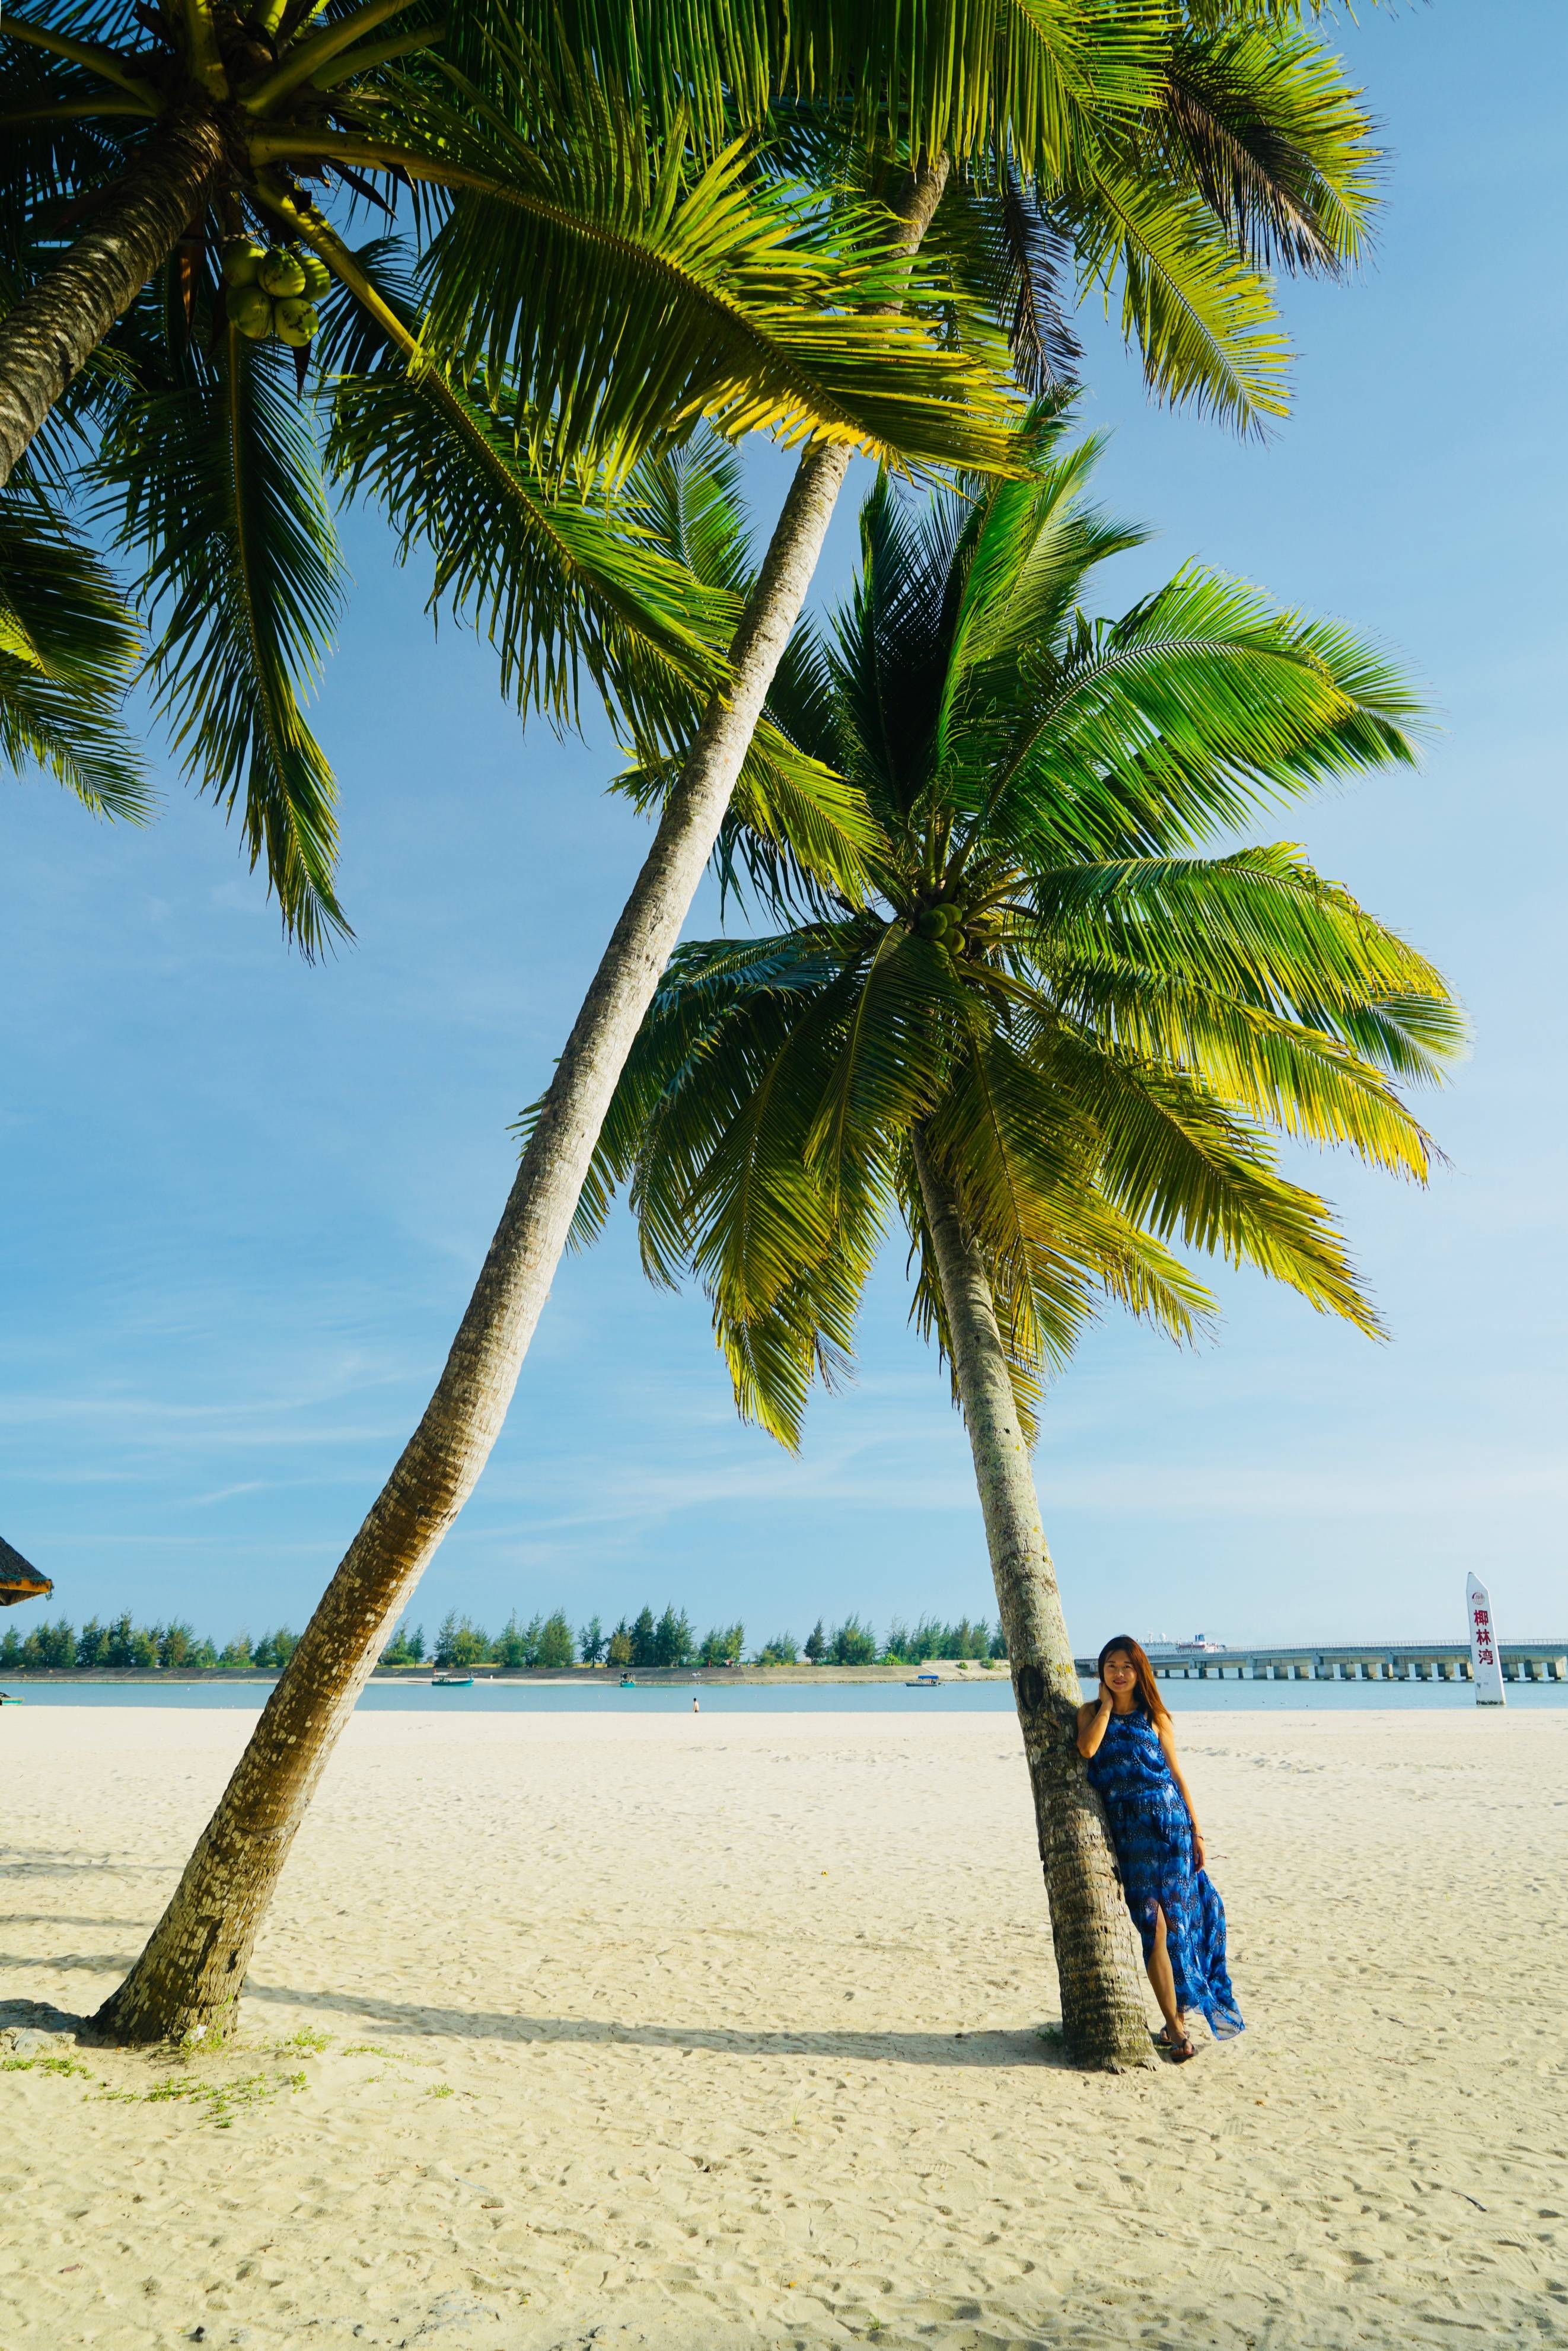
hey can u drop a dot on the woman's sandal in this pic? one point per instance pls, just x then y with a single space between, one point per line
1178 2048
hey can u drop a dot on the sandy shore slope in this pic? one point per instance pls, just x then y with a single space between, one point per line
723 2034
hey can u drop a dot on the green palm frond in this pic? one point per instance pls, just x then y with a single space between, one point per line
1020 1158
889 1065
805 1340
614 295
69 650
1306 1083
707 984
567 588
216 483
762 1211
886 659
565 593
1257 153
1093 1047
797 826
1177 1161
1041 82
1259 924
1201 706
995 236
1201 319
1031 545
688 498
1258 118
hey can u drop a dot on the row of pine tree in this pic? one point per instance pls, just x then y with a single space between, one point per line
646 1641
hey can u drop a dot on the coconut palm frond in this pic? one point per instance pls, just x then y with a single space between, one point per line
69 649
1200 319
616 294
568 589
214 483
689 501
1259 924
1260 118
1179 1161
1303 1082
1198 707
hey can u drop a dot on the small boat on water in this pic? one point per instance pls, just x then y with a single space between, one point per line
451 1681
626 1682
924 1681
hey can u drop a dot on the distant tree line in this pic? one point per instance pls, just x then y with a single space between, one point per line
669 1639
646 1641
123 1645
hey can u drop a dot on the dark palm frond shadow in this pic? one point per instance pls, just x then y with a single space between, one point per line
62 1866
981 2047
1029 2046
59 1918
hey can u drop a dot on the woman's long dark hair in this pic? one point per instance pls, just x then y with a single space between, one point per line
1149 1696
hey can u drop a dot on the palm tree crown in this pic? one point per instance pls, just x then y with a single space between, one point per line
593 247
1092 1030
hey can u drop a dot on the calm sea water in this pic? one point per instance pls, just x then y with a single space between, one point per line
796 1698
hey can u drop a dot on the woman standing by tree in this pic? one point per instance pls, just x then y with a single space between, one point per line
1125 1735
1057 1038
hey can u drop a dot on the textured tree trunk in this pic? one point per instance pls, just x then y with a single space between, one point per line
189 1978
60 322
1102 2015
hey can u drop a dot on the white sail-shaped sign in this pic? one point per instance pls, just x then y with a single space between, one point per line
1486 1658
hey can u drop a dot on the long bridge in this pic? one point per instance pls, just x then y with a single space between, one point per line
1415 1661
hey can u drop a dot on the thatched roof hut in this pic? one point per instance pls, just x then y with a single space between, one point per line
18 1580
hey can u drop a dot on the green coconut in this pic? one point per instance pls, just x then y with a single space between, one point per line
295 321
251 312
281 274
242 259
317 277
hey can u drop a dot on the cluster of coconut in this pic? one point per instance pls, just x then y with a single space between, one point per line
273 290
957 929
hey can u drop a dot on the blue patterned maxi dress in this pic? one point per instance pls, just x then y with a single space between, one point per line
1153 1836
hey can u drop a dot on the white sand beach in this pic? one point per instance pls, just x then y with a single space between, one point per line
722 2034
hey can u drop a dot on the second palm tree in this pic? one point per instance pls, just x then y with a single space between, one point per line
1056 1040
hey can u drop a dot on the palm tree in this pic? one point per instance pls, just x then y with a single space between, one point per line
1056 1040
69 649
596 258
1180 193
583 278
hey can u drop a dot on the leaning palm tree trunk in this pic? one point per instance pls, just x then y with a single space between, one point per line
188 1980
1102 2015
59 323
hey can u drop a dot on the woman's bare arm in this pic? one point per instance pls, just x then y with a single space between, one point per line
1091 1721
1168 1740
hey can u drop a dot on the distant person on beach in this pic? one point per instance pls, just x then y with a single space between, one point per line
1126 1736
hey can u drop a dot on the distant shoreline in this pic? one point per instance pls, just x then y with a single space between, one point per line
535 1677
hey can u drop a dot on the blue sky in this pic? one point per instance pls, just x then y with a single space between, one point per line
245 1199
